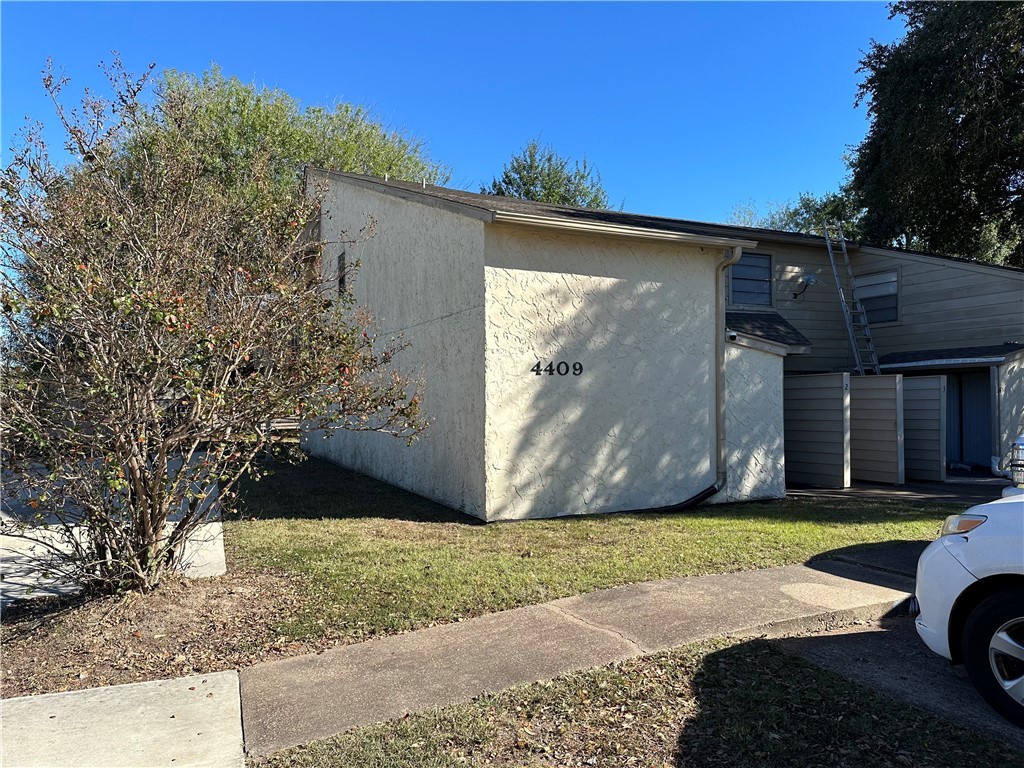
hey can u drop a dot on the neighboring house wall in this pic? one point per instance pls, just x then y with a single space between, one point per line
1011 403
876 429
814 312
637 428
817 417
754 425
421 275
945 303
924 427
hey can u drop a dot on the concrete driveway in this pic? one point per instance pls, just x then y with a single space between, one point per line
890 658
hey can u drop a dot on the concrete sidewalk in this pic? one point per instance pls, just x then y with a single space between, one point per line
200 721
963 491
192 721
294 701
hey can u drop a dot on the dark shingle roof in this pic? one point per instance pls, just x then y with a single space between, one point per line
769 326
685 226
514 205
996 352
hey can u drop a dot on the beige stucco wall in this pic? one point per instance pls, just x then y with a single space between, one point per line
636 429
421 275
754 426
1011 403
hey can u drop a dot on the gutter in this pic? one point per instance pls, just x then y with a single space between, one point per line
622 230
947 362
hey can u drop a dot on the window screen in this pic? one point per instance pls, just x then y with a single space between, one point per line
879 295
751 280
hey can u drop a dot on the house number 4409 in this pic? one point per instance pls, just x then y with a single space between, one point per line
562 368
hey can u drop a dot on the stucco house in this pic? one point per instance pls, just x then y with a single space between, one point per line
578 361
573 361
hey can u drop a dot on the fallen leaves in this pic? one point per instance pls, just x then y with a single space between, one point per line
183 628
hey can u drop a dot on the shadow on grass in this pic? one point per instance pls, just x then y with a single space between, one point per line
758 706
316 489
892 658
897 557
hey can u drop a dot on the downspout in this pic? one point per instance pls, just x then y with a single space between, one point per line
732 255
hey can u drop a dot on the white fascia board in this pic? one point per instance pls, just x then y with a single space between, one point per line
756 342
620 230
947 362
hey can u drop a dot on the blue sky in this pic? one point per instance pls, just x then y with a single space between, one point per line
686 109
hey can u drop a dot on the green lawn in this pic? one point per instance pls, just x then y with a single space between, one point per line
376 560
713 705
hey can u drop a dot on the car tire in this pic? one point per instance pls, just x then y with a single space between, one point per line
993 645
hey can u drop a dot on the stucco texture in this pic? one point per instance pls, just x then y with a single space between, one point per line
421 276
1011 404
636 429
754 426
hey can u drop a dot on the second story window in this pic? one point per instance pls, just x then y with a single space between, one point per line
751 280
879 295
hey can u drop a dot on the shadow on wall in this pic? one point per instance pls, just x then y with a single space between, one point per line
754 426
636 428
1011 405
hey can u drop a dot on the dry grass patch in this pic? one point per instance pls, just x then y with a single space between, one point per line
183 628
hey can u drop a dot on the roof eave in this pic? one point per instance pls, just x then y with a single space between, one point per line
953 362
473 211
618 230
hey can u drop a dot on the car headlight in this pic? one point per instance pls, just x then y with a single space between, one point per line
961 523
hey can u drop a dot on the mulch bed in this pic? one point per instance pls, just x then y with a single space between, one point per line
185 627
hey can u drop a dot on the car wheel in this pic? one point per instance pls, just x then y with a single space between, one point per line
994 652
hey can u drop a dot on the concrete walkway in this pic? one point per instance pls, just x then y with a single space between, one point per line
964 491
191 721
199 721
24 575
294 701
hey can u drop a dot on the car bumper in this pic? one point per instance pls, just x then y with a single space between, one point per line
941 578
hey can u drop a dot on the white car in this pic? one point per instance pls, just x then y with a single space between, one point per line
970 599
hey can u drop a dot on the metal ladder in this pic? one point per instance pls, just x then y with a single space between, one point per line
864 356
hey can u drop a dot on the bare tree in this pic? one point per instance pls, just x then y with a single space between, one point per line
154 320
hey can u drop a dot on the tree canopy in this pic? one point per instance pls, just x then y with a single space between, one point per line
162 301
942 166
242 120
807 214
541 174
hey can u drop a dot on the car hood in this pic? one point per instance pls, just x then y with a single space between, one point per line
1008 505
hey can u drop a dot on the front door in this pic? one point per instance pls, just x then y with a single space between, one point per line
969 418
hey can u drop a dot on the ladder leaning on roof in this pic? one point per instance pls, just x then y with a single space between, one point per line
857 329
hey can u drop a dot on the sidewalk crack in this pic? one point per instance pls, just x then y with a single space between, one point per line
600 628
